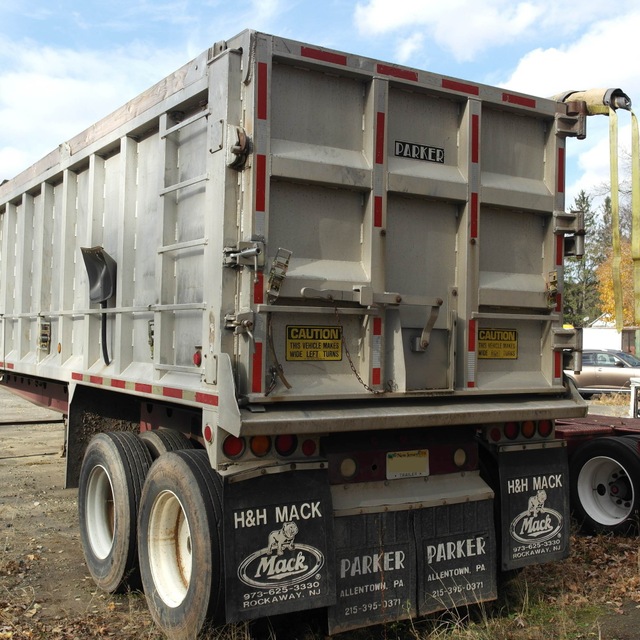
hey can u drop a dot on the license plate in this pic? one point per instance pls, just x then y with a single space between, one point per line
407 464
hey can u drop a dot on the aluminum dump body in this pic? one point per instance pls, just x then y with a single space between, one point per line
292 224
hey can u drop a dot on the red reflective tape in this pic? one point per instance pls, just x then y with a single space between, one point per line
143 388
475 138
377 211
170 392
474 215
559 250
207 398
462 87
396 72
557 364
519 100
561 170
256 373
76 376
10 365
96 379
258 288
375 376
377 326
472 336
120 384
325 56
262 90
261 182
380 119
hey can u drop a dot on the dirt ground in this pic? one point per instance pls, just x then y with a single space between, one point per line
45 588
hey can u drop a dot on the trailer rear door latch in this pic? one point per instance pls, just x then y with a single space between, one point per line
246 254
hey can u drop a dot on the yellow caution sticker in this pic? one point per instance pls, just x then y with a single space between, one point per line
309 343
497 344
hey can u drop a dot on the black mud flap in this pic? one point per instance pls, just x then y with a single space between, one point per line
457 558
278 539
534 488
375 567
401 564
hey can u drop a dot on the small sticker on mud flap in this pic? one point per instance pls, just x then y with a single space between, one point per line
313 343
497 344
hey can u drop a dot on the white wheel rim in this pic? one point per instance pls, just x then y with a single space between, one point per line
100 513
605 491
169 548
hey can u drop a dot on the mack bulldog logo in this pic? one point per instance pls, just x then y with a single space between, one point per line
282 562
538 523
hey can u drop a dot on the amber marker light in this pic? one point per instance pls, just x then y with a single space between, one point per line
260 445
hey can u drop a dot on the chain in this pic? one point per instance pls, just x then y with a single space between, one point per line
350 360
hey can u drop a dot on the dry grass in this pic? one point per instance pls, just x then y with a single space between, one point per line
611 399
563 601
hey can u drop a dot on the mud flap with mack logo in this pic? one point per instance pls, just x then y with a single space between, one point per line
534 489
278 540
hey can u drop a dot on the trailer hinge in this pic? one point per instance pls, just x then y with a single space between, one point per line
571 226
246 254
240 323
567 338
238 147
573 123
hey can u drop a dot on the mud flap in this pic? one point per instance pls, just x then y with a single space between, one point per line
278 541
534 487
457 558
401 564
375 566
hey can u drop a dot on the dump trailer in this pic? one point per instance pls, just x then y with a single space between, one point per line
303 310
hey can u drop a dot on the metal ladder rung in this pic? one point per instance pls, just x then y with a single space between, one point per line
184 123
181 246
183 184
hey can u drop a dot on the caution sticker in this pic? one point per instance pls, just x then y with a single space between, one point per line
309 343
498 344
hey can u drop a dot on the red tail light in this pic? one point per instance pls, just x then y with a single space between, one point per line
233 447
286 444
545 428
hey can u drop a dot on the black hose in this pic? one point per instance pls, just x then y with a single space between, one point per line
105 352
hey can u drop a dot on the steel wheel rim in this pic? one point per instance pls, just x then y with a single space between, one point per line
169 548
605 490
100 515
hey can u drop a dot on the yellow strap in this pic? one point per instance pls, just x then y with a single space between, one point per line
615 219
635 213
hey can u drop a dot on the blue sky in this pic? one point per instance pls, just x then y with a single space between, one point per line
65 64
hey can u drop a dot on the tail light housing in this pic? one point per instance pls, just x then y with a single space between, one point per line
525 431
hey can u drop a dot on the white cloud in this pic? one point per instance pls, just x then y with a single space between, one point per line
408 47
464 28
49 95
604 56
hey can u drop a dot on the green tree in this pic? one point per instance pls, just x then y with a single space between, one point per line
581 297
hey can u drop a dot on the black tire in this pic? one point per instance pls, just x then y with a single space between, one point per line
605 485
111 480
180 527
161 441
